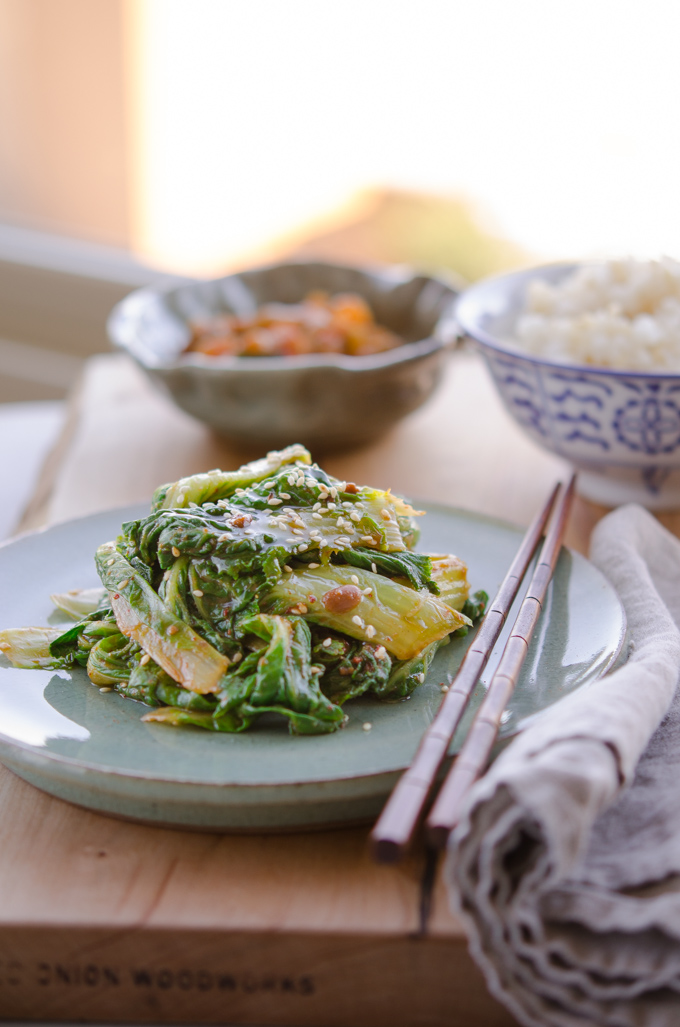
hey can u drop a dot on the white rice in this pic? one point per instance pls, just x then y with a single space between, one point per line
623 314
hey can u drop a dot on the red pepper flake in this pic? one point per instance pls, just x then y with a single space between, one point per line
116 595
241 520
342 599
351 488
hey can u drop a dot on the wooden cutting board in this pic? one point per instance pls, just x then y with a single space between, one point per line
106 920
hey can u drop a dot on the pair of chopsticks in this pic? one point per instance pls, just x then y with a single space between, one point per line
399 819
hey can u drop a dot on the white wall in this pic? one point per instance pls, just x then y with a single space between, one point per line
556 118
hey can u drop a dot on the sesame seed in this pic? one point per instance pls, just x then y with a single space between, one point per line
173 629
223 538
354 516
237 657
356 619
370 631
317 515
175 551
381 652
342 540
240 492
367 726
313 566
323 541
197 592
275 502
332 506
109 562
144 660
326 642
368 591
124 584
292 479
420 677
334 492
367 538
298 531
374 568
312 482
444 687
385 514
302 548
106 688
302 608
354 579
5 646
284 495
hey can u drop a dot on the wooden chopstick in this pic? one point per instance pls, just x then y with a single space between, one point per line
476 749
395 827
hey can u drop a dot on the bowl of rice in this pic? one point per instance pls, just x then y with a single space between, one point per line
587 359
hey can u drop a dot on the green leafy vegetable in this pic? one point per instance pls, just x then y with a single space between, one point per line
402 619
272 589
30 648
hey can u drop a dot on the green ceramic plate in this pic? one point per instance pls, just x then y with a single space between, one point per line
64 736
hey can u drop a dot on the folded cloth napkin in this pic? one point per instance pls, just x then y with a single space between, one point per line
566 866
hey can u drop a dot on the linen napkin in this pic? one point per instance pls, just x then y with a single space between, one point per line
566 866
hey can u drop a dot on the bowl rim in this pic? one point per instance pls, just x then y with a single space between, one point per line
443 335
468 327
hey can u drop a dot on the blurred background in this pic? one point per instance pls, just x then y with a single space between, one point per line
142 139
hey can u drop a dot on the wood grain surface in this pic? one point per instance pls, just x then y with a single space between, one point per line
106 920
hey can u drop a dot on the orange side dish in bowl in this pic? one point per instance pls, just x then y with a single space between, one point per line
327 354
319 323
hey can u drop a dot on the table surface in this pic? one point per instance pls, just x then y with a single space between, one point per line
321 933
28 431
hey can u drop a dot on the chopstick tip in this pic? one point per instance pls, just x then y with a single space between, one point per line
386 850
437 836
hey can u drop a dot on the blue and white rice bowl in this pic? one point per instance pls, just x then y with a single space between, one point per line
620 429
